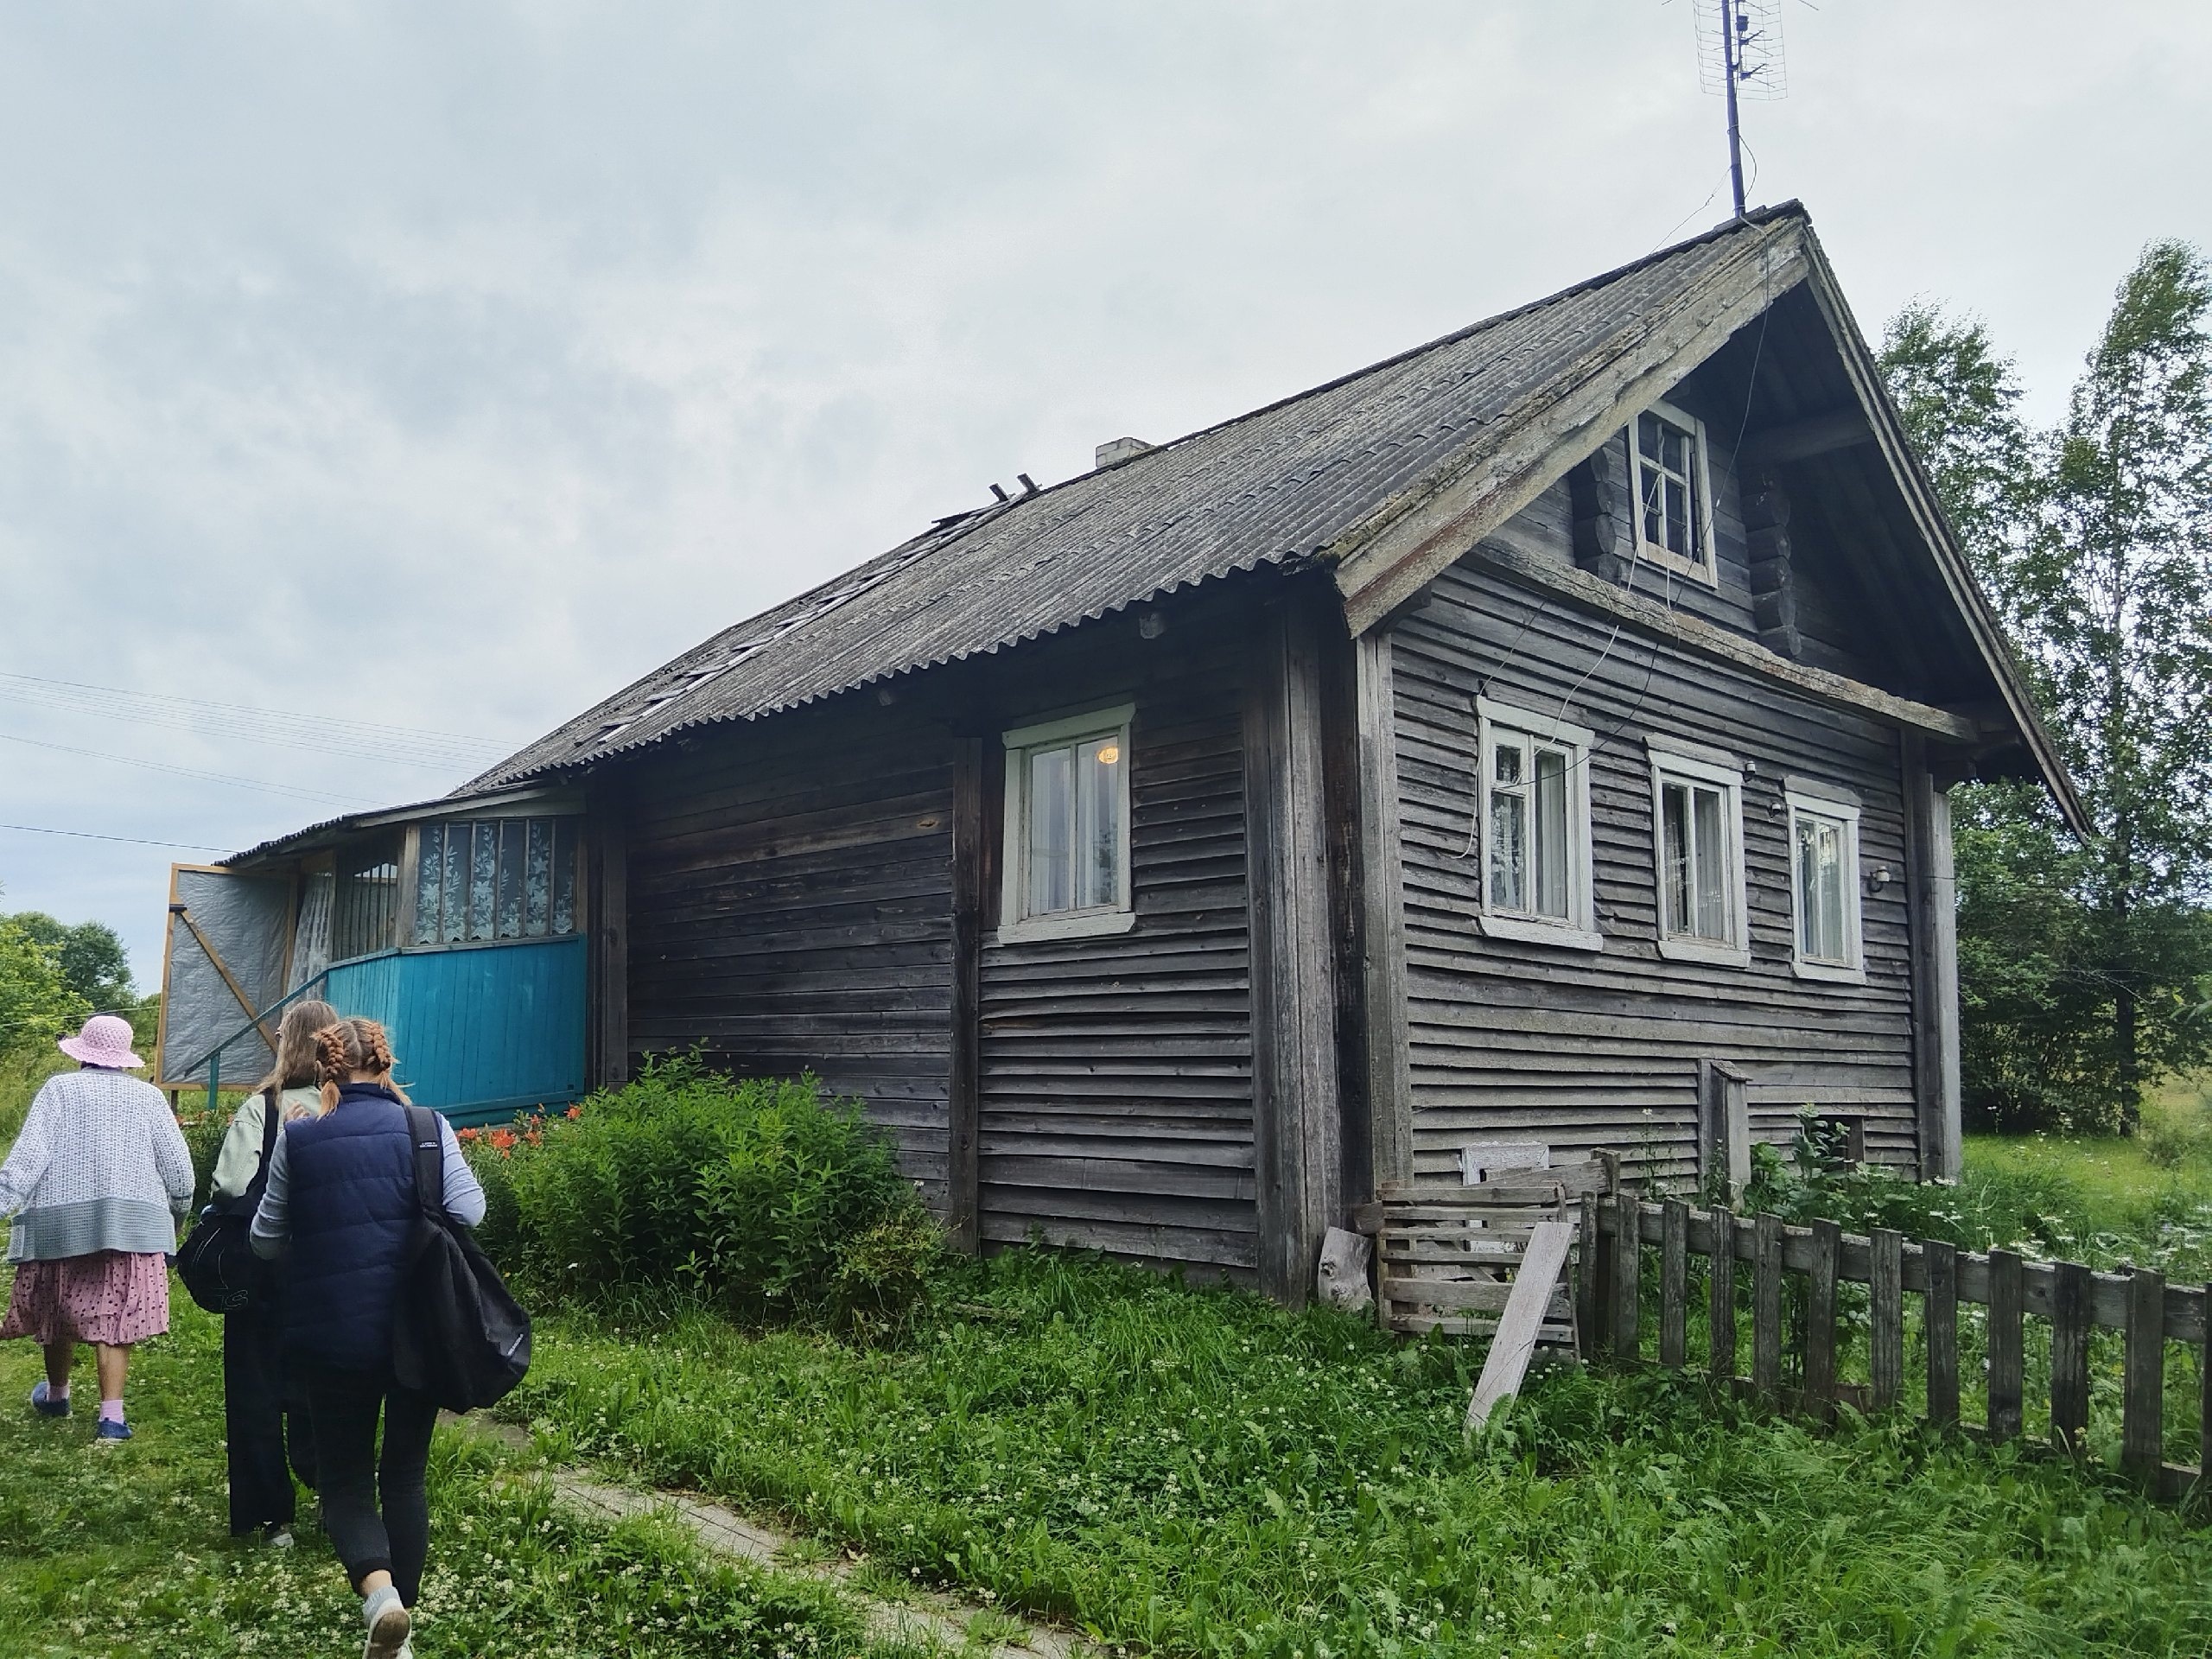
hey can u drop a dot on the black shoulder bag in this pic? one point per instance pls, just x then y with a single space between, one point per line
216 1261
458 1336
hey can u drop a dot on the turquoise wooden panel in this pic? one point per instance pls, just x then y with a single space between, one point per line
480 1032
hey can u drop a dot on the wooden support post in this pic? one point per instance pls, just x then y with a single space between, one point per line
1673 1282
1720 1299
1628 1269
1724 1129
1885 1343
2204 1400
2071 1287
1820 1320
2143 1424
1931 894
608 864
2006 1306
1766 1304
963 1115
1589 1292
1939 1319
1383 918
1296 1101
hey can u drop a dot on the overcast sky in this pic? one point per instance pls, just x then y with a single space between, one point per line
447 365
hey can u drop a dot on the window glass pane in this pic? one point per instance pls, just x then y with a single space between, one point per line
482 878
1678 517
429 860
1654 490
511 833
1710 860
1675 841
1098 811
1833 945
1551 833
1051 830
564 875
1508 849
1510 763
537 880
1647 437
452 915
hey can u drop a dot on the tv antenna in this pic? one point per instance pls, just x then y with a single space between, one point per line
1740 56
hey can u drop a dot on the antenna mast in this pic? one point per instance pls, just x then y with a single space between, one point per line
1739 56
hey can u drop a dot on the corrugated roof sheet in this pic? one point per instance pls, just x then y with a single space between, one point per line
1274 487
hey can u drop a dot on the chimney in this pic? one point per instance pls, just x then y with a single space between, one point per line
1114 451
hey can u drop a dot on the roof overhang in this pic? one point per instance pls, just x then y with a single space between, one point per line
332 832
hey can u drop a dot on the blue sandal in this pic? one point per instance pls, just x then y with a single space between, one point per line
46 1407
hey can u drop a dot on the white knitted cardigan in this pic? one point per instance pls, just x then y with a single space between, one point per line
99 1165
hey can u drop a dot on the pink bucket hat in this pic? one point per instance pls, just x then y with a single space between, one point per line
106 1040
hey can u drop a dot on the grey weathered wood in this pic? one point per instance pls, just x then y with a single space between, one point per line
1589 1281
1801 439
1939 1321
1724 1125
1820 1318
1720 1295
1534 1285
1628 1273
1885 1344
2205 1398
1931 883
2004 1333
1298 1118
963 1102
608 881
1673 1282
1766 1303
2142 1421
2069 1357
1383 918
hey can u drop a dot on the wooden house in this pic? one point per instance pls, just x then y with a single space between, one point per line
1541 735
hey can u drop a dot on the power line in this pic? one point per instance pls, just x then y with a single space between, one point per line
365 739
193 772
135 840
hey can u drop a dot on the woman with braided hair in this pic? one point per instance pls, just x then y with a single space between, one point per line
340 1204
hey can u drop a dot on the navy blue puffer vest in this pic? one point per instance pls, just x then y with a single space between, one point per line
350 1189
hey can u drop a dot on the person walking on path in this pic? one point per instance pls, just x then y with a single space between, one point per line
341 1203
97 1182
264 1413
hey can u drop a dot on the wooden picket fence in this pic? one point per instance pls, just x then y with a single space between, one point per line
2072 1299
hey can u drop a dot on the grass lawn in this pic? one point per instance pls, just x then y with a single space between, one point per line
1200 1473
126 1550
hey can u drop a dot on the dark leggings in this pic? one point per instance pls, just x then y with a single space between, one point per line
392 1535
264 1418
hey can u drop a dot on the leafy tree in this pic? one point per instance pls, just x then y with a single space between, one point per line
36 1003
2083 969
2114 596
92 957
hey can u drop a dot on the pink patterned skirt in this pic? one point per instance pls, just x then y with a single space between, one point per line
114 1297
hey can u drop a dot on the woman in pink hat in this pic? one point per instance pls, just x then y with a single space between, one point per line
98 1180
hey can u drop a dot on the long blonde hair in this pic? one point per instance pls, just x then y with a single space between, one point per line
295 1050
348 1045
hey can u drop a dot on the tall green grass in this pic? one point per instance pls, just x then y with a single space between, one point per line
1199 1472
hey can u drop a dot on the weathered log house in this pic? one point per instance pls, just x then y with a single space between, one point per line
1541 735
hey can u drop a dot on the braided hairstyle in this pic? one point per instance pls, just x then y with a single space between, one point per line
348 1048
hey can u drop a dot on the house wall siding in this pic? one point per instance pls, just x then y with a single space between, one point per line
790 892
1116 1072
1586 1049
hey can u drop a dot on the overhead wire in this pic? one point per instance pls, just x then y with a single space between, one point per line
93 835
294 790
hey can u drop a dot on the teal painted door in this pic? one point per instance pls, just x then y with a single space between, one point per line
481 1032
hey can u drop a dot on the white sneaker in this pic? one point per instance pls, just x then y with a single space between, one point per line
388 1632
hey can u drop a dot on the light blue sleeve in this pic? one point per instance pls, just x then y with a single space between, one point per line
464 1192
272 1222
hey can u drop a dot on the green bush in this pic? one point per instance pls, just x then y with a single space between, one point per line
762 1194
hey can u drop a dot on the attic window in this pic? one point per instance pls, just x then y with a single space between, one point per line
1674 493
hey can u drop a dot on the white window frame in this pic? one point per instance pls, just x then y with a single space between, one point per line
1701 506
1809 797
1578 930
1672 761
1015 923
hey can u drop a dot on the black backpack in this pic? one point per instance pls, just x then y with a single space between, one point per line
216 1261
457 1335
